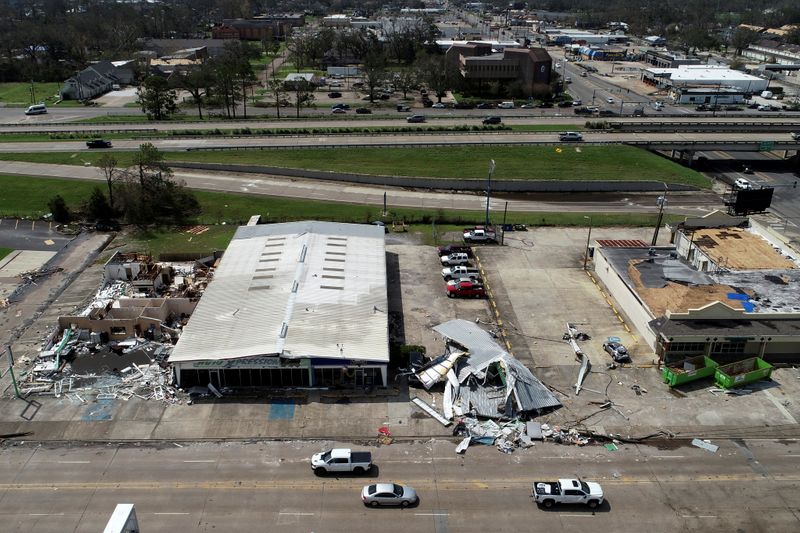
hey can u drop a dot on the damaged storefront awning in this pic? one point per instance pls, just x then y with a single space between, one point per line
527 392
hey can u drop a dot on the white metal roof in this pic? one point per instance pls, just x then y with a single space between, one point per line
299 289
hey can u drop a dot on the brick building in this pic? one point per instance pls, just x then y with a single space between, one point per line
258 28
478 65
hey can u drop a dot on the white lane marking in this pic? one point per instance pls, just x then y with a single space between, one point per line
431 514
170 513
297 514
200 461
699 516
75 462
786 414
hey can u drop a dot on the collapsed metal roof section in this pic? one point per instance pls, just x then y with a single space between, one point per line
527 392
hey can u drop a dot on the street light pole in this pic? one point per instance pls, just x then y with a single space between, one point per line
588 240
489 190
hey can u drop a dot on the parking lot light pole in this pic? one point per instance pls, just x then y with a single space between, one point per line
588 240
489 190
661 201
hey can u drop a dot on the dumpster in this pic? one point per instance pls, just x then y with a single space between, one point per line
690 369
742 372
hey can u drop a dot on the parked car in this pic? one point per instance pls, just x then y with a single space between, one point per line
480 234
527 106
742 184
505 105
582 111
334 94
380 494
402 108
341 106
339 111
565 103
570 136
465 288
607 113
576 103
492 120
439 105
610 100
457 258
98 143
483 105
364 111
658 106
583 74
464 105
341 460
460 272
415 118
453 249
549 493
617 352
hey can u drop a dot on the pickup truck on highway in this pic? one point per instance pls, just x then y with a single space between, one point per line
549 493
461 271
458 258
341 460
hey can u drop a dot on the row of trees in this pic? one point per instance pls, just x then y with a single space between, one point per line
221 82
143 194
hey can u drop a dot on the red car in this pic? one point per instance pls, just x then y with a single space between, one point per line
465 288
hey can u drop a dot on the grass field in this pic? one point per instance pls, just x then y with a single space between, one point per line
5 251
596 163
19 94
29 197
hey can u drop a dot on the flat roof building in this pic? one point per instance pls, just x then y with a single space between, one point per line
728 289
704 75
298 304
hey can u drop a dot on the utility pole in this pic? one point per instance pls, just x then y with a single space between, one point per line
11 370
588 241
489 190
661 201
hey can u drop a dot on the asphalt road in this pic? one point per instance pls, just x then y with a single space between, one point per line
417 139
30 235
690 203
745 486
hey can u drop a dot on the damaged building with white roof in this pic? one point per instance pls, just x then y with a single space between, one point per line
299 304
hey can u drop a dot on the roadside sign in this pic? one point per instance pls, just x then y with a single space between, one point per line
766 146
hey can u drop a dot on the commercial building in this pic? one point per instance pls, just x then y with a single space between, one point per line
707 95
479 64
729 289
662 59
593 53
301 304
704 76
96 79
771 51
258 28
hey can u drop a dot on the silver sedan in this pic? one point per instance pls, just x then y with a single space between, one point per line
388 494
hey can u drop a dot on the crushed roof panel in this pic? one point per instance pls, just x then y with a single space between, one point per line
739 249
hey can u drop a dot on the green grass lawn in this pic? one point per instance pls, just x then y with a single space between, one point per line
5 251
19 94
23 196
568 162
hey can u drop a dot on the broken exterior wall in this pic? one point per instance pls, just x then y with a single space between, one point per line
635 309
131 318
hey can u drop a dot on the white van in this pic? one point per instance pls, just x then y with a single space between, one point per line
505 105
38 109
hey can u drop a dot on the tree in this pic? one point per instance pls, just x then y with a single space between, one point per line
108 165
303 95
406 80
233 72
278 90
742 38
374 71
157 98
196 82
432 69
98 207
58 208
149 195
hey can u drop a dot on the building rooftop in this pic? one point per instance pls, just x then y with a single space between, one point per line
703 72
739 249
300 289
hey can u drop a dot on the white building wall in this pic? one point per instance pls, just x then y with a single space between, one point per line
637 312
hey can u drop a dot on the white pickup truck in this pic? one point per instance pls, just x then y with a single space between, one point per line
341 460
549 493
479 235
459 258
460 271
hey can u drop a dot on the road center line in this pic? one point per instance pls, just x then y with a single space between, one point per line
75 462
199 461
